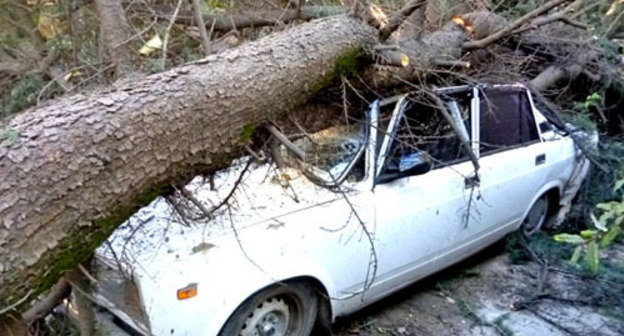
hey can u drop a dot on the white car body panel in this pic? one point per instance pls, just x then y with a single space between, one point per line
273 233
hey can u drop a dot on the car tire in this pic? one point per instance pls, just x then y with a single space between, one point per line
285 309
537 216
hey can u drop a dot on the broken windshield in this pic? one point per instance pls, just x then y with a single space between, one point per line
334 154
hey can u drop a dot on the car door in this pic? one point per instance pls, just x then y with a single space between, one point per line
513 160
419 217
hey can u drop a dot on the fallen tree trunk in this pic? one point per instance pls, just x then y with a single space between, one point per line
74 169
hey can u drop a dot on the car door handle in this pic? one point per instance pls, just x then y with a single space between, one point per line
471 182
540 159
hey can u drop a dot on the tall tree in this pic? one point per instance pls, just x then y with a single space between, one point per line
114 32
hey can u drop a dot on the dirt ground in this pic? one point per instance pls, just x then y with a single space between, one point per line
477 297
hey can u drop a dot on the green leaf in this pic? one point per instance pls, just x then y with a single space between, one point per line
607 206
604 218
619 220
594 97
589 234
576 256
618 185
609 237
568 238
591 259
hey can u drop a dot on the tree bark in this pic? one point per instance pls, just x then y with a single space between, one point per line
114 32
81 165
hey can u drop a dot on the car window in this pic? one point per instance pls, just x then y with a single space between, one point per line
334 153
458 104
423 135
385 115
506 119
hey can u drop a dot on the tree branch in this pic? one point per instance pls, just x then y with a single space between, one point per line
513 26
245 19
202 28
398 17
43 307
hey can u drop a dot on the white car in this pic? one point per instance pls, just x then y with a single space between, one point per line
423 181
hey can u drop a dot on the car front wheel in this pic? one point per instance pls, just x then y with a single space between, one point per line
536 217
287 309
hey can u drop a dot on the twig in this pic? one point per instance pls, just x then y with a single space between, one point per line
201 26
178 211
189 195
513 26
236 184
451 63
398 17
539 293
117 261
16 304
208 212
87 274
99 72
615 21
138 34
43 307
163 57
561 16
258 157
242 248
371 272
286 142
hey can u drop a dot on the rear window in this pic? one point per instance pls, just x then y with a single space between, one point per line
506 119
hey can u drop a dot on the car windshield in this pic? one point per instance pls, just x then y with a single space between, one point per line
334 154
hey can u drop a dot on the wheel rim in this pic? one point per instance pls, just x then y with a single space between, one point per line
536 216
276 316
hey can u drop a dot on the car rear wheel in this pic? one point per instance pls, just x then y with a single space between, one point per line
536 217
287 309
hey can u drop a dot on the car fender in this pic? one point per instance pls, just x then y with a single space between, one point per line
554 184
250 279
239 277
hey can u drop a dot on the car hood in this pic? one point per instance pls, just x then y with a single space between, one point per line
157 233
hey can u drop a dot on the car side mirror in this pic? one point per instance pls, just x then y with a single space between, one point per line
416 163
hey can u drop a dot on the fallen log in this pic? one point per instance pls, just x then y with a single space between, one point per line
75 168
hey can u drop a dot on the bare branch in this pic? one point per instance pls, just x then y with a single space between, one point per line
398 17
286 142
451 63
163 57
43 307
513 26
202 27
245 19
